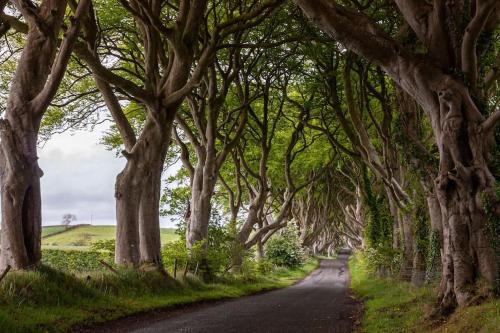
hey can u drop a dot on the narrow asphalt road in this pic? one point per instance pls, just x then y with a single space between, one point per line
319 303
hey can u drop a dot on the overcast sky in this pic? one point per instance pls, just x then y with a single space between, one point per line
79 176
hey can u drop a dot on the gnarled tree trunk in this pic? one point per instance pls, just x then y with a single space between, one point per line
137 194
201 196
464 181
462 134
166 81
149 218
38 75
21 198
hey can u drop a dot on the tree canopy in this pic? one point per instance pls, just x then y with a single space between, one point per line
368 124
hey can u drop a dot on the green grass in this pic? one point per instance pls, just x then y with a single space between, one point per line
47 300
49 230
81 237
393 306
484 318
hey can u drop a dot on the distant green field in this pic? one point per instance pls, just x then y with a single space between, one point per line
81 237
52 229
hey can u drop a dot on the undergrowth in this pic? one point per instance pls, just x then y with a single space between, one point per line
393 306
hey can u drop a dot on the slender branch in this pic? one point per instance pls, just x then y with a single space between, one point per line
228 147
188 132
14 22
107 75
42 101
491 122
472 32
184 153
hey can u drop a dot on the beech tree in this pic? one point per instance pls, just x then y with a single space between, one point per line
375 148
38 74
375 131
219 112
177 44
447 82
217 128
272 178
169 53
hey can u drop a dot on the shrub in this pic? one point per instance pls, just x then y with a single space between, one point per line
106 249
284 250
383 259
107 245
264 266
175 250
73 261
213 255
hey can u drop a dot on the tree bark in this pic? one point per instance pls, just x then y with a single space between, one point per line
260 250
408 248
169 75
210 159
463 180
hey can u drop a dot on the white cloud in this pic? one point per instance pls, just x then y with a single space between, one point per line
79 177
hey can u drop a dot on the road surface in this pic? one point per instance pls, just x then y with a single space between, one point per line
319 303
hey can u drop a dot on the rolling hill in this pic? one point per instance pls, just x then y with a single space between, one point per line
49 230
81 236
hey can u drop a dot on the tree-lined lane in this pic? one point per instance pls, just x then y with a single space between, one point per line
319 303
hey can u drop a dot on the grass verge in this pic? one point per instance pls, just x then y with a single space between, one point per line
47 300
393 306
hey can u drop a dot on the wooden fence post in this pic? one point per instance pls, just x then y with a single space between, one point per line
109 267
185 269
6 270
175 268
196 269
